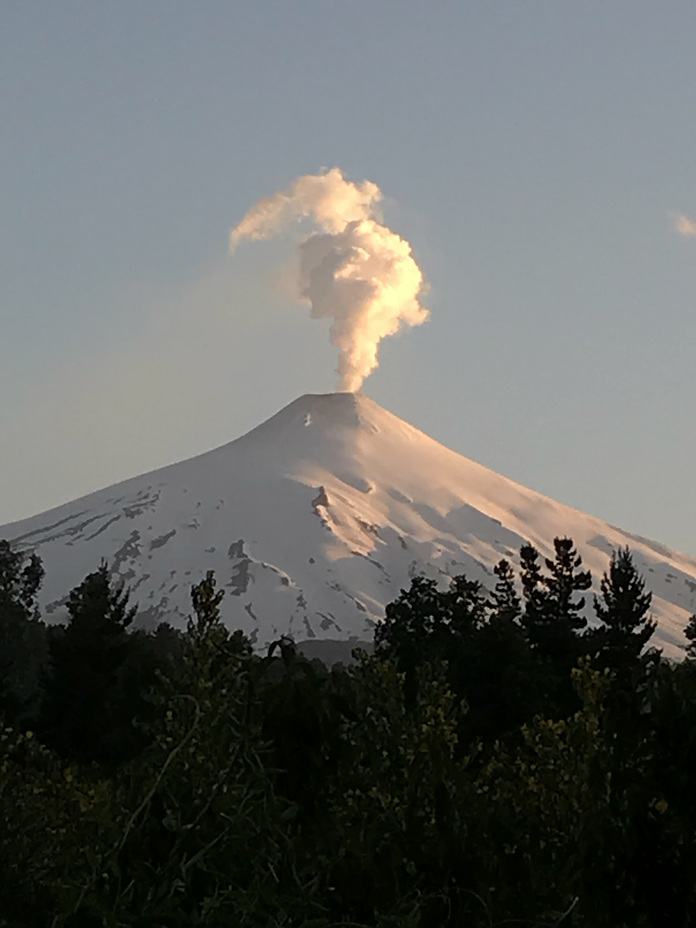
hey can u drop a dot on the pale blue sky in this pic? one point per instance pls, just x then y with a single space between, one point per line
534 152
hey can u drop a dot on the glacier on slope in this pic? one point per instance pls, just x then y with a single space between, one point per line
315 520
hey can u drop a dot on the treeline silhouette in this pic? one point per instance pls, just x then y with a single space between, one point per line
495 761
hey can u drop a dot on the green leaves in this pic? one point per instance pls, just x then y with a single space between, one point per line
273 791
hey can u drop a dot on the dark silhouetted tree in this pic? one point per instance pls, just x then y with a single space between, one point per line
22 634
413 629
622 611
504 690
90 698
553 617
426 624
506 603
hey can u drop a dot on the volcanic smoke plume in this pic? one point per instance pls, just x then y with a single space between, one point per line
355 271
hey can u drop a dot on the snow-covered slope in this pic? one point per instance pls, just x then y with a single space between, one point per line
316 519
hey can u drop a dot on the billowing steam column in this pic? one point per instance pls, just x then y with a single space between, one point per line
355 271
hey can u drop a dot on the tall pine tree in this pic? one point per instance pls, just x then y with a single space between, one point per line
553 616
505 600
622 610
553 619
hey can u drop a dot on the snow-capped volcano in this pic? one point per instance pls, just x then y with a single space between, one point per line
316 519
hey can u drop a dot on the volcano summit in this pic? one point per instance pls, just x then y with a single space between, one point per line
315 520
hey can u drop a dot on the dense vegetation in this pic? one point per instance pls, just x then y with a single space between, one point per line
495 761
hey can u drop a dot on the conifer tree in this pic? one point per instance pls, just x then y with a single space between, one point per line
501 690
505 600
623 612
553 621
466 605
532 589
553 617
564 581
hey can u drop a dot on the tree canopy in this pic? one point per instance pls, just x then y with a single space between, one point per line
179 778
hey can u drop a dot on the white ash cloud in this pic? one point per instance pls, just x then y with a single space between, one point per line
685 226
355 271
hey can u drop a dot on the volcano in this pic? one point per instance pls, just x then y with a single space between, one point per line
315 520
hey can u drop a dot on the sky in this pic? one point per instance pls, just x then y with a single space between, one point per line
537 155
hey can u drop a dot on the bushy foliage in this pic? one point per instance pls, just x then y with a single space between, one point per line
22 634
441 781
97 675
